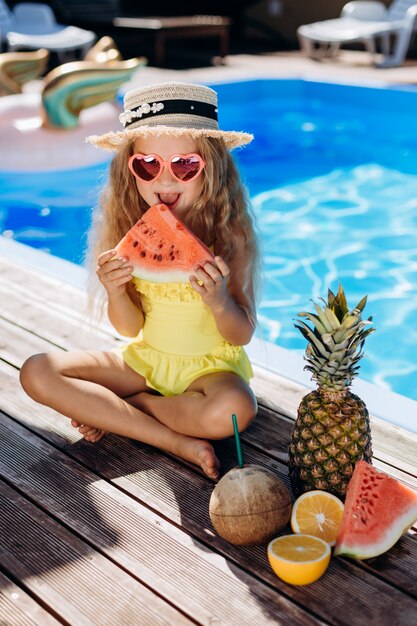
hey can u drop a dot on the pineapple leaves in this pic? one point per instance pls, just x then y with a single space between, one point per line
335 341
337 303
315 320
360 307
333 320
341 300
317 346
327 322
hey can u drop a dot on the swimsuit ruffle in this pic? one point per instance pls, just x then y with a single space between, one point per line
171 292
172 374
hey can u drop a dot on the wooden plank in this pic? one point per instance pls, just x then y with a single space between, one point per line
57 327
17 608
398 446
56 293
197 581
68 575
48 291
276 392
17 344
141 476
395 446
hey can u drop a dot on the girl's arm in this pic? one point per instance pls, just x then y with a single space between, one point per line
228 291
124 315
114 274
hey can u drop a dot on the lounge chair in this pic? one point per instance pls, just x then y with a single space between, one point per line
33 26
364 22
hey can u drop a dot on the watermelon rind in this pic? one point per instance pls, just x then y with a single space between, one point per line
171 276
378 510
389 539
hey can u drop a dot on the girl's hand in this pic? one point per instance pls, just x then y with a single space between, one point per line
212 285
113 273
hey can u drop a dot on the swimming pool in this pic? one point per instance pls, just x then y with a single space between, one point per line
332 180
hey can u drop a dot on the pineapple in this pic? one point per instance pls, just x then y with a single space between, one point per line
332 430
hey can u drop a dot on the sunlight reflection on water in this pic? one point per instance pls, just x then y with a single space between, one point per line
324 232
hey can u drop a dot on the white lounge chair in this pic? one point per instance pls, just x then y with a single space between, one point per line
365 22
33 26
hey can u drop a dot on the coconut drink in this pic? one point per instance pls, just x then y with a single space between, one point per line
250 504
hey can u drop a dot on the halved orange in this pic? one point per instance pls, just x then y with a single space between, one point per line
317 513
299 559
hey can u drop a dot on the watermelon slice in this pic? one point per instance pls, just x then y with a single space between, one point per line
378 510
161 248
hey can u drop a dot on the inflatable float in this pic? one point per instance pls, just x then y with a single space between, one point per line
47 130
17 68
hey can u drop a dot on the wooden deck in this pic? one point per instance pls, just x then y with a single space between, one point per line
118 533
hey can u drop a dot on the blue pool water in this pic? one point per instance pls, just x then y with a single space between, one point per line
332 178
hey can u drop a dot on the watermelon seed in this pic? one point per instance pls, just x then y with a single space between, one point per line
135 243
143 253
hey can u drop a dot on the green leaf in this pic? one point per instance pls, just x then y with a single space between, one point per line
323 319
362 304
318 347
333 321
315 320
330 298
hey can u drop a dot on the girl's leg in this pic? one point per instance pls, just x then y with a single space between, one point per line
89 387
206 408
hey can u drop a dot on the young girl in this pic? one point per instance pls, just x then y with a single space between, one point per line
178 382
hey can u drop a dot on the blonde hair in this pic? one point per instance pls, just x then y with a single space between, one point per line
221 217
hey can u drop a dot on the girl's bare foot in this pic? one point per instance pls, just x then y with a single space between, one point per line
90 433
201 453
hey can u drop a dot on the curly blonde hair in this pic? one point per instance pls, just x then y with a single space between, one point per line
222 216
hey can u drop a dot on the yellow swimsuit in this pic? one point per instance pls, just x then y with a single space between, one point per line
179 341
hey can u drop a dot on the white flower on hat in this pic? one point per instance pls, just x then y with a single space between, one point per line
145 108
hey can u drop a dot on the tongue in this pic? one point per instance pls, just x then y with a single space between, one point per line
168 198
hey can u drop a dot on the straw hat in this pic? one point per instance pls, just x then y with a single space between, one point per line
173 109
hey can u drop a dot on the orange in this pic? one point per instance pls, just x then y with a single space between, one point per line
299 559
317 513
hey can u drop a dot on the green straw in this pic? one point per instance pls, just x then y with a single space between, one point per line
237 439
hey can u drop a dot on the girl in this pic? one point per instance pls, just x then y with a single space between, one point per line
177 383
